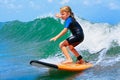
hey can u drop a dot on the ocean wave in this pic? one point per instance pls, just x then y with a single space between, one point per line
101 39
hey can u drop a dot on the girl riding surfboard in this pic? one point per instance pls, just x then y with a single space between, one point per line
72 41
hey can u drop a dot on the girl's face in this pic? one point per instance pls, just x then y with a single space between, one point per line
64 15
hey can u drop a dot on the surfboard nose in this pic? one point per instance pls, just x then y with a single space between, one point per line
43 64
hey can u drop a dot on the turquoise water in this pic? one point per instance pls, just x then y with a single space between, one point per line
21 42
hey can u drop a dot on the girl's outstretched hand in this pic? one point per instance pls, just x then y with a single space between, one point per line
58 15
53 39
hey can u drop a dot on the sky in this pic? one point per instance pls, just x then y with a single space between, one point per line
100 11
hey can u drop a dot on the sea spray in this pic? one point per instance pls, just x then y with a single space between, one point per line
101 56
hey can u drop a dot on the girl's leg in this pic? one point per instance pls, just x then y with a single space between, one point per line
73 50
63 45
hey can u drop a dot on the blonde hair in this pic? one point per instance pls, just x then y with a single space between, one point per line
67 9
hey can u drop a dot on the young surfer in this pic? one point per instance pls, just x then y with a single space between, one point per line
72 41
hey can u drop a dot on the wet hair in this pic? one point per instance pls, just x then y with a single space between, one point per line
67 9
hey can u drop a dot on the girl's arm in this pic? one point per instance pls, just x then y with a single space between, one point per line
59 35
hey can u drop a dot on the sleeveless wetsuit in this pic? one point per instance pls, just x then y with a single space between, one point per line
76 30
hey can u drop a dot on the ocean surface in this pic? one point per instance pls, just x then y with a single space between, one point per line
21 42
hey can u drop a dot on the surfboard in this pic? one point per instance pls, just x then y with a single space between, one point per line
60 66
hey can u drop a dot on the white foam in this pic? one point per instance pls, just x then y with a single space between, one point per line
53 59
98 36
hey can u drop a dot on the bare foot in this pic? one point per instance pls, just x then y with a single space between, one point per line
67 62
81 61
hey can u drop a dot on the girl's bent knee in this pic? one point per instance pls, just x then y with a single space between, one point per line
61 45
71 48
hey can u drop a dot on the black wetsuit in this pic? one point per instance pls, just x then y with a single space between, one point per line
76 30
